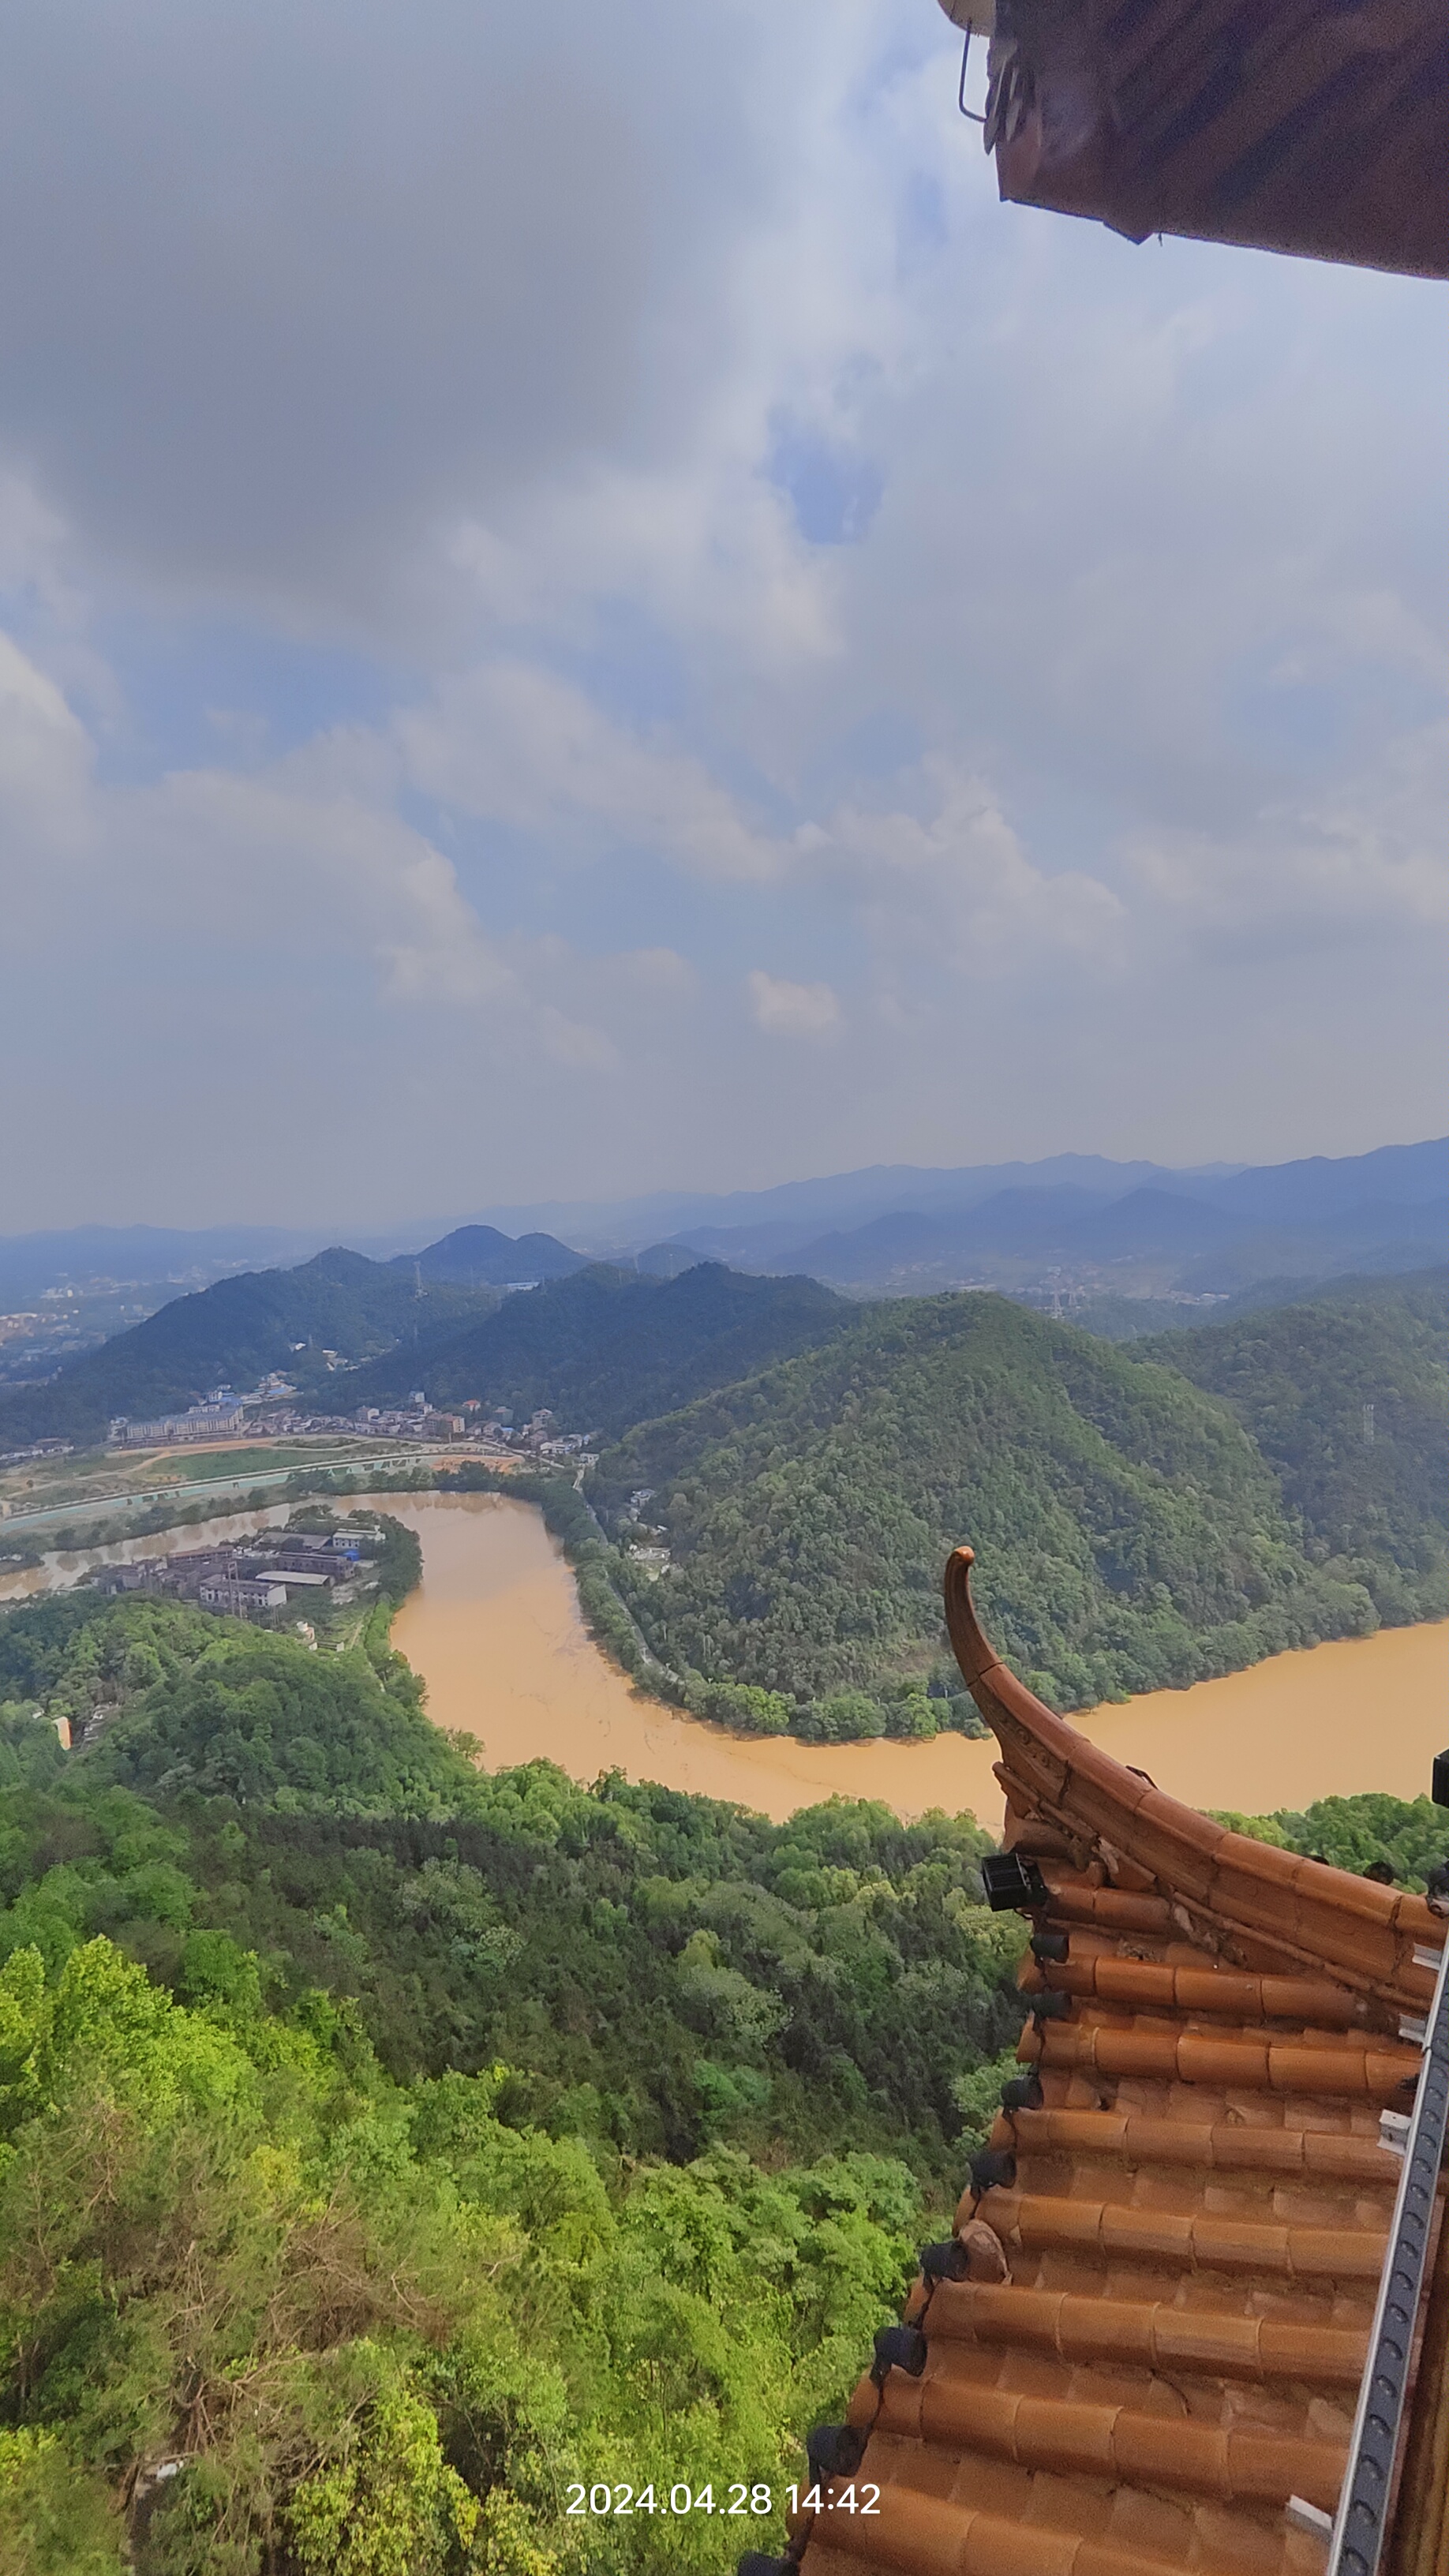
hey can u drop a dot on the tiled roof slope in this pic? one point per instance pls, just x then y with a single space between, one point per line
1162 2328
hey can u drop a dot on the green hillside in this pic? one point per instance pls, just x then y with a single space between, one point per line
1299 1377
233 1333
605 1348
395 2144
1411 1835
1130 1535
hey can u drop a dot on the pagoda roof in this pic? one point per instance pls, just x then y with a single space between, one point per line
1142 2353
1310 126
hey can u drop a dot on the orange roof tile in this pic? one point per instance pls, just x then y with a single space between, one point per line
1168 2277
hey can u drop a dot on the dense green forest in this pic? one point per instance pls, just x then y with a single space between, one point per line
385 2145
602 1347
233 1333
606 1348
1129 1534
1144 1516
1371 1491
1410 1834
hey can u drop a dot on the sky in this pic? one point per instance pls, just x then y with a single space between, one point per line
582 611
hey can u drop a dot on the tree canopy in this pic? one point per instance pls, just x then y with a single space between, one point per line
1367 1487
1130 1533
606 1348
232 1334
386 2146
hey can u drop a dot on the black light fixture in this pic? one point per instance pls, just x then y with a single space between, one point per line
948 2261
899 2348
1013 1880
992 2169
1050 1949
1052 2006
1023 2093
1439 1784
834 2451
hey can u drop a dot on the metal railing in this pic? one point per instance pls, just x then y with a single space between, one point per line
1360 2524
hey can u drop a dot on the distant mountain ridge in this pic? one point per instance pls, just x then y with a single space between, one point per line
1064 1233
240 1328
1197 1234
761 1229
792 1212
605 1348
478 1256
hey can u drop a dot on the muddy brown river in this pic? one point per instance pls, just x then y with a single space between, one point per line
495 1631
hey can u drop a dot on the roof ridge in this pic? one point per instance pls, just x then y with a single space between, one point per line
1220 1886
1138 2353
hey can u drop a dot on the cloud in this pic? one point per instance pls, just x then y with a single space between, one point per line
517 744
499 534
308 851
1366 863
959 878
789 1010
44 753
335 283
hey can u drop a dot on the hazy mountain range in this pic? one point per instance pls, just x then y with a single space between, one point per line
1113 1243
1100 1226
753 1223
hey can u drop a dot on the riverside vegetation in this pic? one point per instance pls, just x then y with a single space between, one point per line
768 1553
1145 1517
386 2146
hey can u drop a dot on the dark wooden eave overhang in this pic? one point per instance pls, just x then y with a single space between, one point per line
1317 127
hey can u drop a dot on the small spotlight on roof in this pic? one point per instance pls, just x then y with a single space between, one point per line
1012 1879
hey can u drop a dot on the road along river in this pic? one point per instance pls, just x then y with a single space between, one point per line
495 1631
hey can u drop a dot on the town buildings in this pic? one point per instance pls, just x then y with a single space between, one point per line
218 1418
257 1581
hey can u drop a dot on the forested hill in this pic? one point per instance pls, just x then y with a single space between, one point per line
231 1333
478 1256
602 1347
607 1348
391 2145
1129 1532
1369 1486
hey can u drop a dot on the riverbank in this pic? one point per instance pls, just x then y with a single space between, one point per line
496 1634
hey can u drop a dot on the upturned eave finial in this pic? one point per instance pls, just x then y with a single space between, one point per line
974 1652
